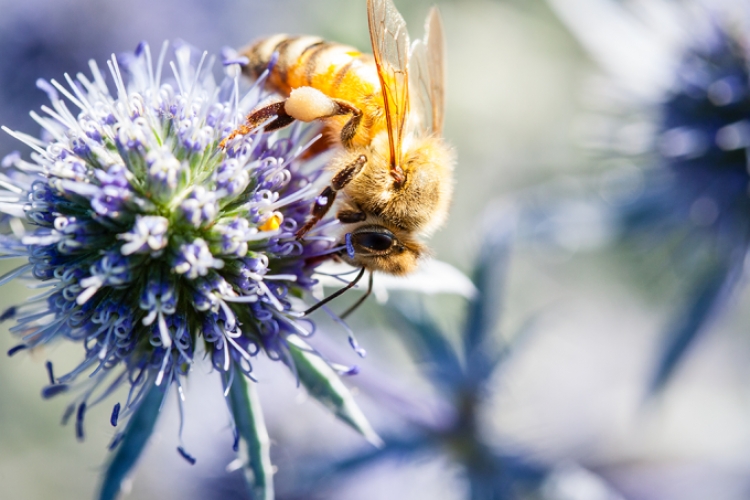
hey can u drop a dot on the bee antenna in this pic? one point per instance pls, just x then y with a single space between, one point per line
361 299
336 293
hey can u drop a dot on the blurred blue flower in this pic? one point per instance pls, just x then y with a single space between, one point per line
462 375
677 106
151 247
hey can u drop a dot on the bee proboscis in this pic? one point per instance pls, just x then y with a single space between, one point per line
384 114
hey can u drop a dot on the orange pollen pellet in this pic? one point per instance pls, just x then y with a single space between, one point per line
272 223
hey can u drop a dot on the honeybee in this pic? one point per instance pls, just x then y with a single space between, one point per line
384 113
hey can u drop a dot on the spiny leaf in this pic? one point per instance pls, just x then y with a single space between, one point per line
430 345
322 382
134 440
255 446
704 301
484 310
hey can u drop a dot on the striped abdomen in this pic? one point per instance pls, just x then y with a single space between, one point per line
337 70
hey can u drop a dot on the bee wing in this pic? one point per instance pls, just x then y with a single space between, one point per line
390 46
427 77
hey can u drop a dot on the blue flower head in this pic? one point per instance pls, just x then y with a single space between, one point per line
463 376
682 116
152 246
703 134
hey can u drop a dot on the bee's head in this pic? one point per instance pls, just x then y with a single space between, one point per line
379 248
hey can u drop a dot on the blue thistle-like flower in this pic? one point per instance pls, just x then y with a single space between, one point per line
154 246
679 110
703 130
462 375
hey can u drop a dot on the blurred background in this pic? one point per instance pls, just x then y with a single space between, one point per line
572 397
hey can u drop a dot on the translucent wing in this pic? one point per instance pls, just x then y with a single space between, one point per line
390 46
427 75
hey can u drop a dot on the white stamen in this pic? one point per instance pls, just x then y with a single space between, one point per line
64 91
114 69
166 340
271 297
81 97
30 141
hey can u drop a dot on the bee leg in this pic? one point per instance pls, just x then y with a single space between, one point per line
350 128
349 172
351 216
322 204
325 199
308 104
256 118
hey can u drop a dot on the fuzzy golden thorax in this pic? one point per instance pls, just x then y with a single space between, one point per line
419 204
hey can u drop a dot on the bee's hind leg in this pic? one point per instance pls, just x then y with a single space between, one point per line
308 104
256 118
325 199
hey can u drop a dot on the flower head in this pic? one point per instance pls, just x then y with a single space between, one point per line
703 131
152 244
679 101
455 428
678 113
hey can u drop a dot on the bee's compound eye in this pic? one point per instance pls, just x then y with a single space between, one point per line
374 241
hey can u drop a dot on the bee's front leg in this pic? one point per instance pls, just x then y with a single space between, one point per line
325 199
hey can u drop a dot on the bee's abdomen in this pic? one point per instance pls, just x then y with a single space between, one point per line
334 69
289 49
